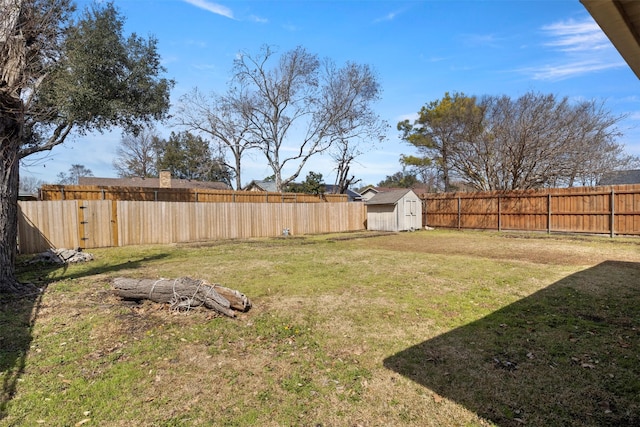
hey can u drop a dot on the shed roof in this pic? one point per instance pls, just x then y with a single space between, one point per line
388 197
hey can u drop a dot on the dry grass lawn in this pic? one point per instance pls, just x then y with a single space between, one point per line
438 328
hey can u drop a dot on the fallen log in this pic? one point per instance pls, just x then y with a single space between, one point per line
183 293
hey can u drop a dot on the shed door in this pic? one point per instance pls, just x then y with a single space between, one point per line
410 212
410 207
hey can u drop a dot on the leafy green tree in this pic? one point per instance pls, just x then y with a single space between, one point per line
73 176
187 156
423 168
313 184
58 75
400 179
440 127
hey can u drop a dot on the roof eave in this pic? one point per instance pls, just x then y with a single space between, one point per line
621 28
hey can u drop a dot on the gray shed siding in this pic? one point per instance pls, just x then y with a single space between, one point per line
394 211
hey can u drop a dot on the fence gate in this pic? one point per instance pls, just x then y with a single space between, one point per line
97 224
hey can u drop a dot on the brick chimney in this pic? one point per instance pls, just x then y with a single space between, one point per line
165 179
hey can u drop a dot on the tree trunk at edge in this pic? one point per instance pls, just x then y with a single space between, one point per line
10 137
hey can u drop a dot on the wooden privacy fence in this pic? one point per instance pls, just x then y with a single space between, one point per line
613 210
149 194
104 223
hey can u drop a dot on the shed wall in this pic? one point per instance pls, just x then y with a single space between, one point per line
382 218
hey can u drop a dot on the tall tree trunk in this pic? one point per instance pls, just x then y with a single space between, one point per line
12 65
238 178
10 137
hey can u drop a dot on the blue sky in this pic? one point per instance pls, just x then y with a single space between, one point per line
419 49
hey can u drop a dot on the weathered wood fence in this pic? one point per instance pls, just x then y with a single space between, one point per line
149 194
613 210
105 223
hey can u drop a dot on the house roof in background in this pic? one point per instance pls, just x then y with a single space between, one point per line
388 197
353 195
620 21
270 186
257 185
152 183
620 177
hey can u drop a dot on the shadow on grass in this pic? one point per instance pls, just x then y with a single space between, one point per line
568 355
18 316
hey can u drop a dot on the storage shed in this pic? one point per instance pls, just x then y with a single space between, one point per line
397 210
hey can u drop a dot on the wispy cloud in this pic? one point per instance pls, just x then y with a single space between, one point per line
635 115
580 48
258 19
291 27
216 8
390 16
576 36
476 40
570 69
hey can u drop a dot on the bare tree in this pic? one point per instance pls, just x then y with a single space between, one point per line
136 155
72 177
220 118
348 95
301 106
30 184
539 140
499 143
344 155
274 100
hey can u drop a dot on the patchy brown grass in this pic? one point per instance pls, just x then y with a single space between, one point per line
428 328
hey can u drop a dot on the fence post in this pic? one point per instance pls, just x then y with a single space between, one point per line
425 218
612 220
548 213
499 214
459 212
